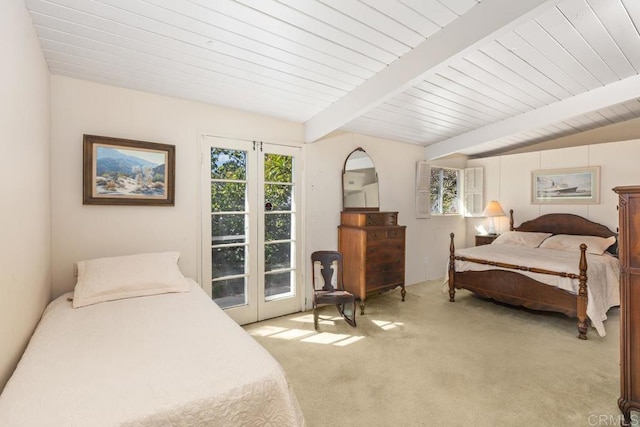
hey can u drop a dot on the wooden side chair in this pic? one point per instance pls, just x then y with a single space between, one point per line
330 291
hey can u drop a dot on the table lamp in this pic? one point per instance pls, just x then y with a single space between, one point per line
492 210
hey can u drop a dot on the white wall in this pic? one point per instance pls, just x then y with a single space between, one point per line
25 269
82 232
88 231
508 179
427 242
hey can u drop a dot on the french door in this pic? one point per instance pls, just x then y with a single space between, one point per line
251 253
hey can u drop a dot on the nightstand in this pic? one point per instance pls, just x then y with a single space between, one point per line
485 239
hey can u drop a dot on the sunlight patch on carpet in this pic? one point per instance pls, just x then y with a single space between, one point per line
325 338
292 334
304 335
308 318
349 340
265 331
319 337
386 325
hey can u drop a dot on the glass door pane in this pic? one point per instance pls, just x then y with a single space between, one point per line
279 224
229 223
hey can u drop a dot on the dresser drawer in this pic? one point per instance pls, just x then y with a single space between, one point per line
369 219
384 278
385 248
385 234
388 263
381 219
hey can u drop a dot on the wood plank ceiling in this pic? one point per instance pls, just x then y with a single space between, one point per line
456 76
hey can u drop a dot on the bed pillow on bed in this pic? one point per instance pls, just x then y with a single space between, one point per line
107 279
521 238
566 242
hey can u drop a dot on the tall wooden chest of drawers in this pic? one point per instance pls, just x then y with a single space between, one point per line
629 253
372 246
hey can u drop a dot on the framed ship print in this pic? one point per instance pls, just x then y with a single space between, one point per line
562 186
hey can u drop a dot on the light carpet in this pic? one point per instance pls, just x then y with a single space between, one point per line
429 362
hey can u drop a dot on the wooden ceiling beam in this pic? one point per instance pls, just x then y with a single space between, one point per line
484 22
586 102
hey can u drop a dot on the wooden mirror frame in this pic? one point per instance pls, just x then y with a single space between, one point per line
344 171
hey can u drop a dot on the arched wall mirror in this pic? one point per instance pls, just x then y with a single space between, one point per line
359 183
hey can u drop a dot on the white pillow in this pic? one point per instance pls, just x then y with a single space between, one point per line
566 242
521 238
107 279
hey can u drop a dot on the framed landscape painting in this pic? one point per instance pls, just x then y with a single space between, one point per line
562 186
127 172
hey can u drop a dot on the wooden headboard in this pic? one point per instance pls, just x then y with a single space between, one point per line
564 223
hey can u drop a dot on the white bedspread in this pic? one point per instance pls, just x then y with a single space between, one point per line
603 273
165 360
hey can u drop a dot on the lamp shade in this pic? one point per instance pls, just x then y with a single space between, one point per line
492 209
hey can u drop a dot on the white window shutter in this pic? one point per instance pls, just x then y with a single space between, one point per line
423 190
473 204
473 191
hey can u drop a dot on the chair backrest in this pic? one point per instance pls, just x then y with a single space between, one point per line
328 260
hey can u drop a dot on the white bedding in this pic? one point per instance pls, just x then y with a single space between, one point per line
166 360
603 273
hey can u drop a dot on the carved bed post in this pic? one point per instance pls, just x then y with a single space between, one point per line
510 219
452 269
582 294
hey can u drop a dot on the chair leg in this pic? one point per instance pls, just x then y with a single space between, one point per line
354 313
350 320
315 317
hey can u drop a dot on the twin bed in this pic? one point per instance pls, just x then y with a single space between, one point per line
144 347
557 262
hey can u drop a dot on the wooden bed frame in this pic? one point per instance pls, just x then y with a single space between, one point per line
519 290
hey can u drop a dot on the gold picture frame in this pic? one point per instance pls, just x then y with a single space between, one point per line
127 172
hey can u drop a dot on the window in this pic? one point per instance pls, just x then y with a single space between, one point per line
445 191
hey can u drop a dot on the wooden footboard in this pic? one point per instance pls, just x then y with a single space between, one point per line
516 289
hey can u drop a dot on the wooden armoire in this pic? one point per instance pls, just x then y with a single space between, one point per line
629 253
373 249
